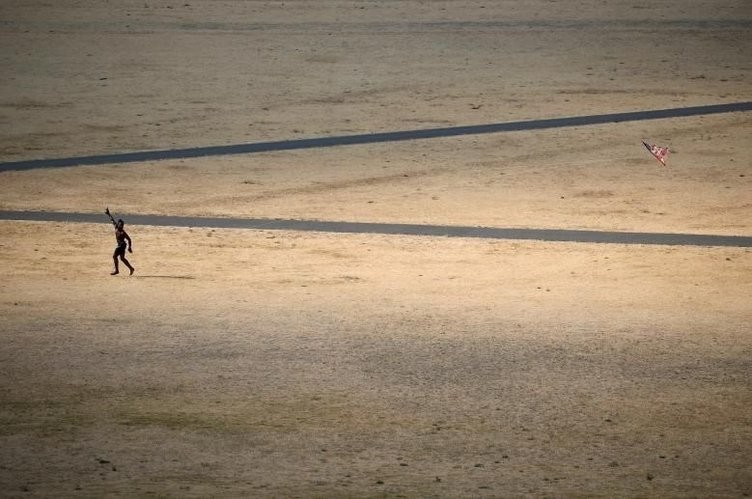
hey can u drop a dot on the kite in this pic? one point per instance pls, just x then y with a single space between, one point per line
660 153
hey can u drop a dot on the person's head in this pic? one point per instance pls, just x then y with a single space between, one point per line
120 223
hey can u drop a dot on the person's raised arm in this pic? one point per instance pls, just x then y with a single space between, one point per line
107 211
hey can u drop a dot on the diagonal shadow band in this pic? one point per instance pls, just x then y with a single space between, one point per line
552 235
372 138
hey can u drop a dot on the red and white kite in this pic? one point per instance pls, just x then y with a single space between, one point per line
660 153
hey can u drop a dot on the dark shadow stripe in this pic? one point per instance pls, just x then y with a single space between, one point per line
378 27
560 235
373 138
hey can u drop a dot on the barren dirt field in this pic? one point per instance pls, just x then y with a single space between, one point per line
262 363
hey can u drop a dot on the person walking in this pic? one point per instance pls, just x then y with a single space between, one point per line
123 242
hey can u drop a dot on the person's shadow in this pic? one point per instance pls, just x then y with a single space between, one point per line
139 276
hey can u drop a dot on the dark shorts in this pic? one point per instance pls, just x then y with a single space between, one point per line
120 250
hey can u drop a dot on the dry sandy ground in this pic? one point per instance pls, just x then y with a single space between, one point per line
280 364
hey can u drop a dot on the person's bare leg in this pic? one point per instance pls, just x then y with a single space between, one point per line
128 264
117 269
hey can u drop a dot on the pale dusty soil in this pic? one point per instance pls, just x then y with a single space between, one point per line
278 364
